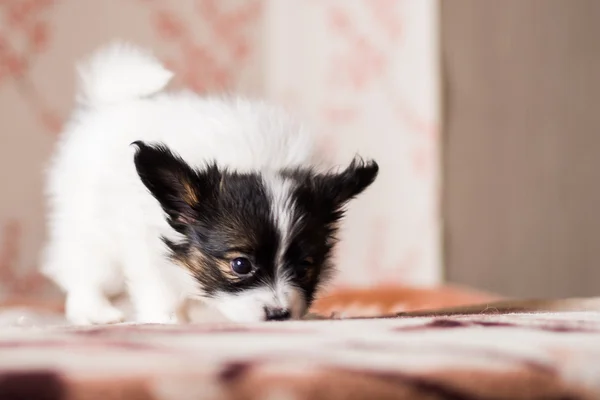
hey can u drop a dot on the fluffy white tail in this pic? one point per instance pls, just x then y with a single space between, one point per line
120 72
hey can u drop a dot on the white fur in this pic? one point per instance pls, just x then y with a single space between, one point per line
104 226
248 306
120 72
280 193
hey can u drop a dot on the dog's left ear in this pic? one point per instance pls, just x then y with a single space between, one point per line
341 187
178 188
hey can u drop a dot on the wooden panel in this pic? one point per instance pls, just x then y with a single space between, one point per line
522 145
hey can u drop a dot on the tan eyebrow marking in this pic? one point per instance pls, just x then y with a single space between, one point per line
189 194
195 262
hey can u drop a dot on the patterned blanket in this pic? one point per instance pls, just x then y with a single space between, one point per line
545 355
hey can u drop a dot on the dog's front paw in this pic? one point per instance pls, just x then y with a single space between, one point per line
157 318
82 311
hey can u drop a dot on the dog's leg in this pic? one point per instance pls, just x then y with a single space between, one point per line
90 307
152 304
87 274
152 293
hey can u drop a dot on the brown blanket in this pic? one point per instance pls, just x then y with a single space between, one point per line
493 355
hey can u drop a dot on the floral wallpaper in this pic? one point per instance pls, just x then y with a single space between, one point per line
363 73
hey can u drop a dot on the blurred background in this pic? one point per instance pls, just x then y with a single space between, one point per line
482 115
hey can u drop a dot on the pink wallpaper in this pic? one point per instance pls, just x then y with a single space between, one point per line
362 72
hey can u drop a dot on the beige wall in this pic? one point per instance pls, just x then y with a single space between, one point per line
522 145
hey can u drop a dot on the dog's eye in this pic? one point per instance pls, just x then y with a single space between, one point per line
304 266
241 266
307 262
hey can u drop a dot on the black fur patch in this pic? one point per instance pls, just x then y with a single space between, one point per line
320 203
222 213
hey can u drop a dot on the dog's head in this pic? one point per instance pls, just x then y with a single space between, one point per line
258 244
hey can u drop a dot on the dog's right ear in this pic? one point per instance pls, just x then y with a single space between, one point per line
178 188
337 189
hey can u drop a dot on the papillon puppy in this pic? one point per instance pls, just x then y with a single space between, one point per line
170 196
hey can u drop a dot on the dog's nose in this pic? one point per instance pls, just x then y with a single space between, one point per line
277 314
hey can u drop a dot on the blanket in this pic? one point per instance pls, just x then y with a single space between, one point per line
487 354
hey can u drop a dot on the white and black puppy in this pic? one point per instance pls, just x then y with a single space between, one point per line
172 196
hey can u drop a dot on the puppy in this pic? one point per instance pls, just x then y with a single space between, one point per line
172 196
